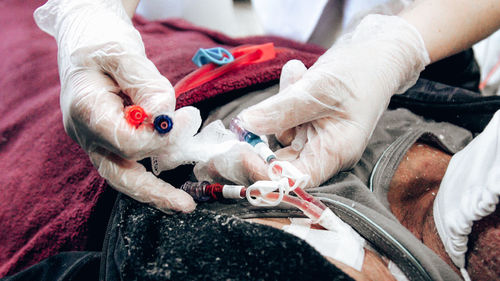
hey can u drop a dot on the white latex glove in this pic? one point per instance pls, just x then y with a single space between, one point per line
221 157
217 153
100 53
240 164
469 191
332 108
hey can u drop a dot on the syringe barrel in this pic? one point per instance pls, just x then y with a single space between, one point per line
254 140
243 135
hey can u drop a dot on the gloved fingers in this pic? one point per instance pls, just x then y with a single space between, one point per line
305 159
97 117
180 146
240 165
291 72
314 96
313 160
331 146
295 137
186 122
347 81
255 167
132 179
139 78
286 137
134 73
287 154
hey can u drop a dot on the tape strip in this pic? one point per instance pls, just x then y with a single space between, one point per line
341 246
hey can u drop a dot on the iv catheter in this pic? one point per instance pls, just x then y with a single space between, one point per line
284 178
204 192
277 169
281 170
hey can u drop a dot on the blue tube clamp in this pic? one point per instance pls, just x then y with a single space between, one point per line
217 55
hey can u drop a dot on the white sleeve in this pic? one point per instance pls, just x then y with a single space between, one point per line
469 191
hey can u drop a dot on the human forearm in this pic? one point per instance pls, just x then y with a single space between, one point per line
450 26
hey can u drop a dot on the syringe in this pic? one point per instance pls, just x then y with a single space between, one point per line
314 208
254 140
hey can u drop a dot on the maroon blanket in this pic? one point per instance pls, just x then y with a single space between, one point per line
51 196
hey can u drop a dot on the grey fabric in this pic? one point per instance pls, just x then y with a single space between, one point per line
359 196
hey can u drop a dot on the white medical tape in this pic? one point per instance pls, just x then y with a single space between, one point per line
340 246
331 222
299 227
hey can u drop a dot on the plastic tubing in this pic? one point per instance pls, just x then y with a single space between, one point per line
243 55
197 190
204 191
308 208
309 203
300 192
309 198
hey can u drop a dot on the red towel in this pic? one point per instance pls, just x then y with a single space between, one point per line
50 193
172 44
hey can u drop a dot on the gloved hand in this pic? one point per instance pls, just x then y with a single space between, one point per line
239 164
101 54
325 115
